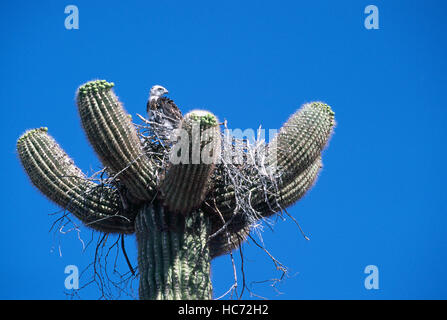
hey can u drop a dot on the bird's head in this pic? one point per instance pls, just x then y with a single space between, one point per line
157 91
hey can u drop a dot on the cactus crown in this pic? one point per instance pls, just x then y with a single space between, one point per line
24 136
95 86
206 118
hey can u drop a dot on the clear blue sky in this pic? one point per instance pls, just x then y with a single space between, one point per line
380 199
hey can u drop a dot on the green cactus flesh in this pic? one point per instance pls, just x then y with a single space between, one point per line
173 255
183 214
186 184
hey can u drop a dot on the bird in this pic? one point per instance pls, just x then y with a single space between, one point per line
162 110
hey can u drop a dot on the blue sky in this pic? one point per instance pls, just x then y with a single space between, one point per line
379 200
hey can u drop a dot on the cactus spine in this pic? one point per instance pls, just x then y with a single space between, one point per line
183 214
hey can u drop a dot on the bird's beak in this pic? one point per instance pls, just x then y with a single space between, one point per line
166 92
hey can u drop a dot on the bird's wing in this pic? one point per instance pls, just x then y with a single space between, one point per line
148 106
170 109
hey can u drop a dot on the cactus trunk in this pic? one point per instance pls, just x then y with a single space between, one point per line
173 255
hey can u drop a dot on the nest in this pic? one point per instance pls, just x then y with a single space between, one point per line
242 168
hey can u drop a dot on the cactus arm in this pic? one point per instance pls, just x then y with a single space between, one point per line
296 153
301 140
185 185
114 138
55 175
173 255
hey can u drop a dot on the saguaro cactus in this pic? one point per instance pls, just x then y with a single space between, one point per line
183 214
